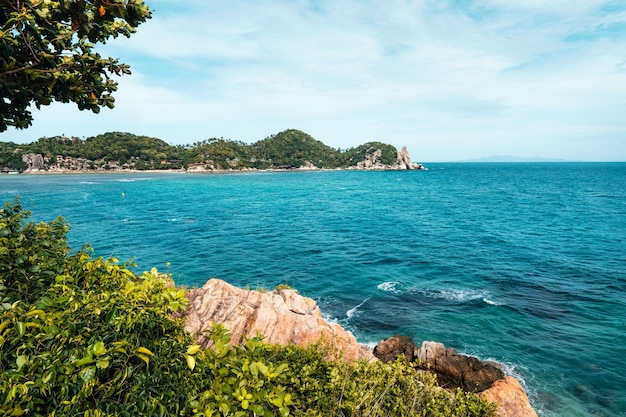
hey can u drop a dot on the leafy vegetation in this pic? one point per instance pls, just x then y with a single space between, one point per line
46 53
286 150
85 336
292 149
11 156
388 153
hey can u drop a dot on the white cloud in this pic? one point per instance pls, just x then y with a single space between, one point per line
451 80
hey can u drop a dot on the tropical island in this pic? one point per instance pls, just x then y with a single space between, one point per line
118 151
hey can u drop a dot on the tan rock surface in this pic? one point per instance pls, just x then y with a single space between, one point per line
510 395
285 317
282 316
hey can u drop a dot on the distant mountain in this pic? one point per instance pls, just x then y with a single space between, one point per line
511 158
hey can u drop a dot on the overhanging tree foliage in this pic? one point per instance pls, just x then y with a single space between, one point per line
47 53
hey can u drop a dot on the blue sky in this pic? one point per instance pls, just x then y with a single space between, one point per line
451 80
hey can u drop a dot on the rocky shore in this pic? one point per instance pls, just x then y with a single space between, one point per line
284 317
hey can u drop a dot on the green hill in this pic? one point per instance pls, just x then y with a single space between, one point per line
293 149
285 150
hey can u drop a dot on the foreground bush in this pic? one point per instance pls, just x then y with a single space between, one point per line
85 336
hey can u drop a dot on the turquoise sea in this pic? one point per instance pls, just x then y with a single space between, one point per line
524 264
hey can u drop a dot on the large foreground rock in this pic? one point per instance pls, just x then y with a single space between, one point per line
511 398
282 316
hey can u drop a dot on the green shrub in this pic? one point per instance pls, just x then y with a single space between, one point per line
323 387
81 334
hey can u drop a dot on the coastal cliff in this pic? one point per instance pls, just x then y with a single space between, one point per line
373 162
285 317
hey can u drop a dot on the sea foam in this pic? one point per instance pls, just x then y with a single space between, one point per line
351 313
389 286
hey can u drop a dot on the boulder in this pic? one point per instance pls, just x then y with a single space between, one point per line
453 370
281 316
390 349
510 397
461 371
403 161
428 352
35 161
308 165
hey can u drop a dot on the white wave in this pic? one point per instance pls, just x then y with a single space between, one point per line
350 313
88 182
134 179
389 286
370 345
463 295
493 303
516 370
330 319
459 295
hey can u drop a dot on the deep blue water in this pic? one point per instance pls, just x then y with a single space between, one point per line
521 263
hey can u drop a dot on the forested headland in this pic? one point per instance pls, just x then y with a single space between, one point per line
119 150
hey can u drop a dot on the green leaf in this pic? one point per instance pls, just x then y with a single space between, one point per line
193 349
99 349
47 376
4 324
262 369
103 363
144 358
87 374
254 369
257 409
38 313
144 351
191 362
87 360
19 327
21 361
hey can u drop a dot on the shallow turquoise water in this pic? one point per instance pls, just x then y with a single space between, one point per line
521 263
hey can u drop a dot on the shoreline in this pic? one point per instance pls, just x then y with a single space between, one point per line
192 172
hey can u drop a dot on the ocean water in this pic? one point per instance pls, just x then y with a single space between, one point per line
524 264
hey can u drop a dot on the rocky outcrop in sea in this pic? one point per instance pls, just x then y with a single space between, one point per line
373 162
285 317
453 370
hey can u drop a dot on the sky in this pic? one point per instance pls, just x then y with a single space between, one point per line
451 79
